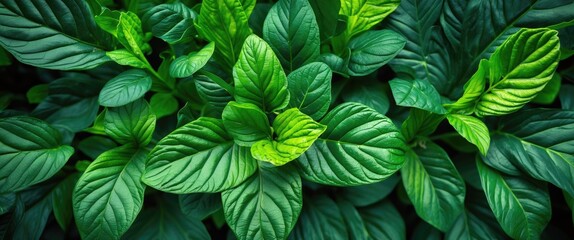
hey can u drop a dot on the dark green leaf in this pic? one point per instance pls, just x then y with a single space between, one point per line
109 194
320 219
567 97
34 220
59 36
62 200
570 201
434 186
93 146
383 221
30 152
365 195
420 123
472 129
131 123
417 93
198 157
310 89
522 207
5 58
504 151
259 78
257 18
200 205
186 66
246 123
125 88
360 146
292 32
550 91
163 104
37 93
172 22
7 201
212 92
327 13
353 221
373 49
266 205
370 93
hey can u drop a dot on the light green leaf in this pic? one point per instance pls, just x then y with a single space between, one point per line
433 185
62 200
246 123
473 90
266 205
172 22
295 131
310 89
522 207
546 137
214 21
365 195
126 58
370 93
200 205
186 66
259 78
109 194
163 104
417 93
36 34
37 93
127 87
198 157
383 221
165 221
326 13
31 151
127 28
420 123
292 32
131 123
360 146
320 219
373 49
472 129
550 91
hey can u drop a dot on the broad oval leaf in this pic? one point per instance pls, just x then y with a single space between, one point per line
472 129
521 207
214 21
417 93
31 151
292 31
59 36
125 88
519 69
320 219
373 49
265 206
131 123
186 66
172 22
360 146
259 78
295 131
200 205
310 89
198 157
504 152
370 93
163 104
246 123
383 221
109 194
365 195
433 185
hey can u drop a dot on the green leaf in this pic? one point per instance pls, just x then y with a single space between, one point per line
131 123
5 59
546 137
352 219
292 32
212 92
433 185
165 221
186 66
417 93
472 129
326 14
198 157
266 205
420 123
310 89
36 34
246 123
519 70
570 201
200 205
566 97
473 90
504 151
31 151
339 64
34 219
295 131
62 200
259 78
522 207
550 91
373 49
127 28
109 194
163 104
7 202
172 22
257 18
93 146
472 226
214 21
125 88
383 221
319 219
360 146
126 58
37 93
370 93
365 195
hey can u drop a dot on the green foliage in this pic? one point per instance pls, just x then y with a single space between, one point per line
287 119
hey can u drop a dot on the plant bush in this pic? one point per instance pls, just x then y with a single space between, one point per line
299 119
